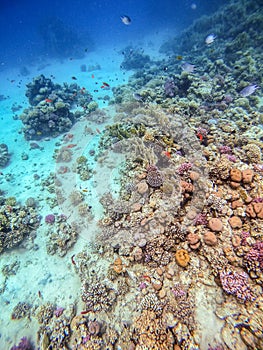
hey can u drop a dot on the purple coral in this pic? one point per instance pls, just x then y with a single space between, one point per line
225 149
154 177
244 236
169 87
200 219
24 344
50 219
59 311
232 158
255 255
258 200
178 291
183 168
236 283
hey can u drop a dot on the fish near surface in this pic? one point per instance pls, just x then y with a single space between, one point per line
126 20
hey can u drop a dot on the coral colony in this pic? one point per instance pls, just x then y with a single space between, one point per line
161 195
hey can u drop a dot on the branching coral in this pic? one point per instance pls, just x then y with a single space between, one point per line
97 296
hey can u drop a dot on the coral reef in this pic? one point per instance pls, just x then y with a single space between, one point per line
134 58
61 237
21 310
24 344
97 296
50 113
16 223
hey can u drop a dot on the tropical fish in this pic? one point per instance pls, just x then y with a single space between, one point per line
126 20
179 57
48 100
248 90
105 86
73 78
210 39
188 67
167 154
200 136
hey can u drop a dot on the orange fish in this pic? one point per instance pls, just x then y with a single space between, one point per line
92 76
200 136
48 100
71 145
167 154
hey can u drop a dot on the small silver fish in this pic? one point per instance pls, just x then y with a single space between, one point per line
126 20
248 90
188 67
210 39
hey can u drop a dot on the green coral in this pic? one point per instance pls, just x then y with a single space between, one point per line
10 201
81 160
92 106
125 131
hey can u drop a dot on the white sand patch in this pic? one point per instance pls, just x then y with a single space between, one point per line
209 324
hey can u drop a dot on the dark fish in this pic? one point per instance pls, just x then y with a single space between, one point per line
126 20
73 78
138 97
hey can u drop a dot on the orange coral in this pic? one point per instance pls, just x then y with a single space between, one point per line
182 257
118 266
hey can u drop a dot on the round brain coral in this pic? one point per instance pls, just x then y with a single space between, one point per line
154 177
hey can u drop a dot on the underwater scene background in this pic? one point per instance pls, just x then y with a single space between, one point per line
131 175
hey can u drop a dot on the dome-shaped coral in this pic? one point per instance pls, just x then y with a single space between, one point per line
154 177
182 257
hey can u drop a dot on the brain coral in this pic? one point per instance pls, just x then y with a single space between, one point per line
154 177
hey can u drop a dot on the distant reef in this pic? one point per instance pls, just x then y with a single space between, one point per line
238 26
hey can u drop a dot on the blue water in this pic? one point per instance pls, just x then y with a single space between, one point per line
25 25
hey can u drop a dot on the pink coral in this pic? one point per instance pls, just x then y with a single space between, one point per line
184 167
236 283
200 219
256 254
59 311
50 219
225 150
